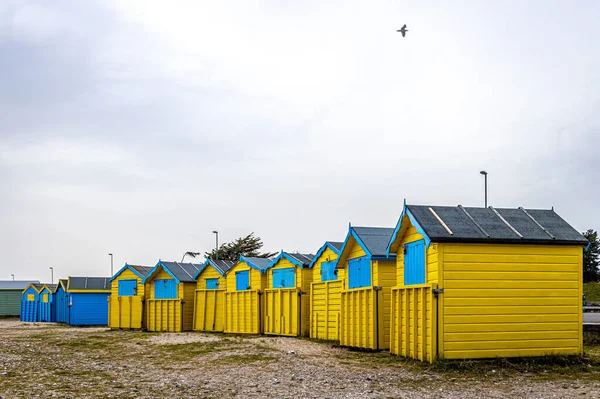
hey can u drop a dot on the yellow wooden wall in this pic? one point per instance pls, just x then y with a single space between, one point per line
325 300
258 281
277 307
166 314
431 258
326 307
510 300
126 312
243 309
326 256
360 306
210 272
413 328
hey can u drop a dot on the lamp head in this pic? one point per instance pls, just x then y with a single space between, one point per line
215 231
483 172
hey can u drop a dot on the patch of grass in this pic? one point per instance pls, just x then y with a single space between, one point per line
188 351
86 343
592 291
243 359
541 366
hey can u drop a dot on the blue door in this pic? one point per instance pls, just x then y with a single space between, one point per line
359 272
212 283
165 289
88 309
414 263
328 271
127 287
284 278
242 280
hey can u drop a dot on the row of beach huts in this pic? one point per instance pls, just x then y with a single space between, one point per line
446 282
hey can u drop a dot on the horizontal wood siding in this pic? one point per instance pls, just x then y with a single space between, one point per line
210 272
126 312
258 281
511 300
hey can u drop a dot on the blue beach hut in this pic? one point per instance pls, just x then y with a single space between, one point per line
47 303
30 301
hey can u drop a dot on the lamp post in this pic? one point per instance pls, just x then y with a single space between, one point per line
216 244
13 276
51 275
484 173
111 264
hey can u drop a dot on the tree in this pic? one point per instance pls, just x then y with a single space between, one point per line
591 257
190 254
246 246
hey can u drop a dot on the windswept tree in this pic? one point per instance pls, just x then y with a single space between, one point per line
591 257
190 254
246 246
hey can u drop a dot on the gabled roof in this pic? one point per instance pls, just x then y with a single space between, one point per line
300 260
16 285
487 225
36 286
261 264
371 239
221 266
63 282
333 245
88 283
140 271
182 272
51 287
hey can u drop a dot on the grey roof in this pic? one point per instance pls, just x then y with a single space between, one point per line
261 263
376 239
143 270
16 285
485 225
89 283
223 266
305 259
337 245
52 287
184 272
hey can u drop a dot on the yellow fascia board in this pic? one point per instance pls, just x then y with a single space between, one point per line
90 291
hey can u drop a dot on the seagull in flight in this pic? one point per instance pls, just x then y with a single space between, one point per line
403 30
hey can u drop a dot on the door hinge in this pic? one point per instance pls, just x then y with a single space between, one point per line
437 291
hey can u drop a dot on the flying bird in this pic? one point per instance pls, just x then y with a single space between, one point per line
403 30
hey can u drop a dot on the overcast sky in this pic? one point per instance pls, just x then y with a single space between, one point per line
138 127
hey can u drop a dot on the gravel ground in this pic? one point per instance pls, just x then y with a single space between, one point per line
49 360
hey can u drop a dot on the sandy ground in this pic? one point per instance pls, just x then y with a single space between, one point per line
49 360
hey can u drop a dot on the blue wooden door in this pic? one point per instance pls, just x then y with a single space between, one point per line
212 283
359 272
284 278
414 263
242 280
127 287
328 271
165 289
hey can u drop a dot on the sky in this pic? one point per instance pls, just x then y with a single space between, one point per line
139 127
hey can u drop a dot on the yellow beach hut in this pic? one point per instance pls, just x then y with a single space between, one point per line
246 282
287 303
485 282
126 300
325 293
170 288
209 300
370 276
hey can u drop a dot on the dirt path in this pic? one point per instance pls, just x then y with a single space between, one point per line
49 360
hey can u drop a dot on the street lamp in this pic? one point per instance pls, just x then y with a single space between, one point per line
13 276
216 244
484 173
51 275
111 264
